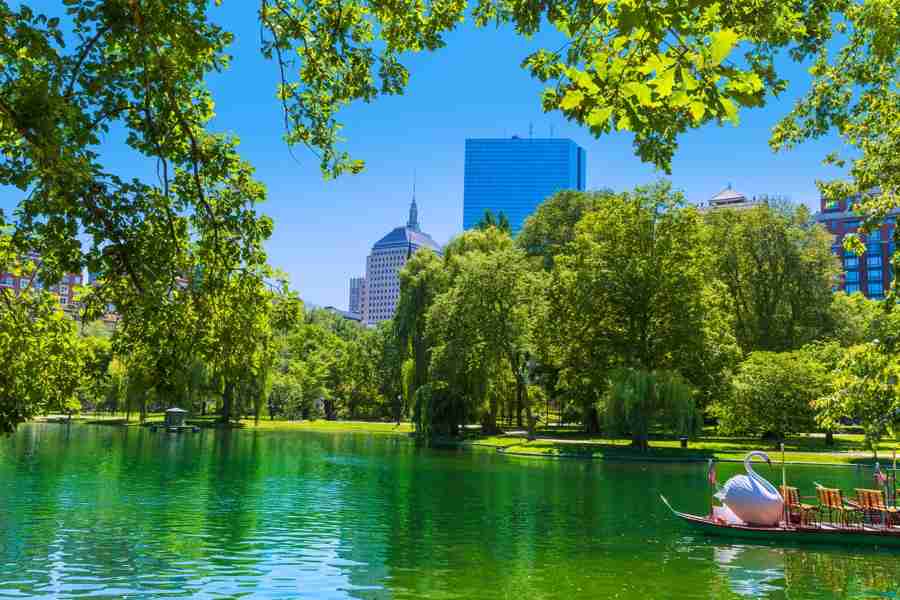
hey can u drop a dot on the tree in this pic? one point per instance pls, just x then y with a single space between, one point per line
500 221
779 271
854 319
421 280
638 400
41 361
856 92
865 388
551 228
656 70
482 323
629 293
773 395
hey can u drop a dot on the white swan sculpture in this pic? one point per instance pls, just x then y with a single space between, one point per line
750 497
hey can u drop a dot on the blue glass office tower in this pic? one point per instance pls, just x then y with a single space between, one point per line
515 175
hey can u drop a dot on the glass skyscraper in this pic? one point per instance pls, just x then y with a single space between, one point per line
515 175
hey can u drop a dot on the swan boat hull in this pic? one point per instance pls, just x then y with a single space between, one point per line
845 536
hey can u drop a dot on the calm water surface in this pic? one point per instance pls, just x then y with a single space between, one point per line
100 512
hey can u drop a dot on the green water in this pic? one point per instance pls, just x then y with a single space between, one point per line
108 513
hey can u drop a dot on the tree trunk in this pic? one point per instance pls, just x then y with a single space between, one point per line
227 401
829 438
591 420
522 404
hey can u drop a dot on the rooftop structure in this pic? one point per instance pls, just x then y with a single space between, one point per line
730 198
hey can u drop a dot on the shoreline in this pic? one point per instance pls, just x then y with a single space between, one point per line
543 447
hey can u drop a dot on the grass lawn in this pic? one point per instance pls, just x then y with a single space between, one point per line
329 426
848 449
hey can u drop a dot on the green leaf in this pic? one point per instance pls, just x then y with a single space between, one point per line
572 99
698 109
599 116
664 82
640 91
730 110
679 99
721 44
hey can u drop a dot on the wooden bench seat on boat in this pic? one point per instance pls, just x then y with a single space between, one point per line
798 512
831 500
872 501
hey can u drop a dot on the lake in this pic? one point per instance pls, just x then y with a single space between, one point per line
103 512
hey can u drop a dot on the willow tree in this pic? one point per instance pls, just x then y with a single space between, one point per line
638 401
421 280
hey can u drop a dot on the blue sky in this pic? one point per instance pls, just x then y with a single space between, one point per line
472 88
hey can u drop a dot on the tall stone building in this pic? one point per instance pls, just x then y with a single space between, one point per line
379 292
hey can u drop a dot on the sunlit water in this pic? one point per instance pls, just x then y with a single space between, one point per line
100 512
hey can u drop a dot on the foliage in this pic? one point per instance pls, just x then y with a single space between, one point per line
638 400
865 388
549 230
482 325
421 280
489 220
856 92
778 270
630 292
773 394
40 358
40 362
855 319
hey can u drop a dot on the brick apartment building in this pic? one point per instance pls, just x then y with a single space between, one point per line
64 290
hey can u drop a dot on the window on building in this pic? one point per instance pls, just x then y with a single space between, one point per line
7 280
874 248
874 275
873 261
851 288
849 253
852 224
852 276
851 263
875 236
876 289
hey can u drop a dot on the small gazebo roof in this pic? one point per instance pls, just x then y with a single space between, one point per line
175 409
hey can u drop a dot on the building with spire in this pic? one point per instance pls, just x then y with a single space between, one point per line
378 292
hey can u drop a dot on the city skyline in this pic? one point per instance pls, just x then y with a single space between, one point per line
323 229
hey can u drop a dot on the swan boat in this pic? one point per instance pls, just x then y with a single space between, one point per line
792 533
754 510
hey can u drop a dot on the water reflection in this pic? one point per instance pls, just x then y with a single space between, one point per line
763 571
112 513
751 570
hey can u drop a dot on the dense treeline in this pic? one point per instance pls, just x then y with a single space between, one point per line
635 313
629 313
